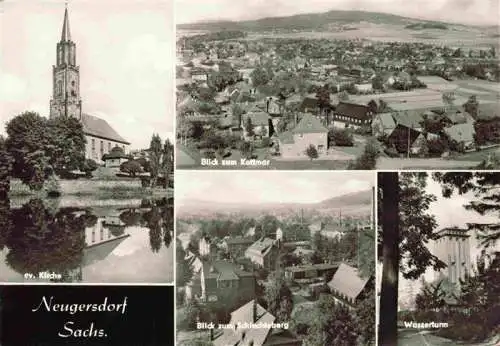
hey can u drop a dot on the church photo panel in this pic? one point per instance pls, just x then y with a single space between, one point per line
88 142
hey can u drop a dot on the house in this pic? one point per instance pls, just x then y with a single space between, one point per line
222 281
352 115
309 131
199 75
206 247
244 319
310 271
273 108
411 118
462 135
348 287
383 124
237 246
260 124
364 87
263 253
115 157
403 137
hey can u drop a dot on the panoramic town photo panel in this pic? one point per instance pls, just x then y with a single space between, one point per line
275 258
86 142
333 85
438 268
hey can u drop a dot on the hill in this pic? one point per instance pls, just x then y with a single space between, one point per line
353 203
312 21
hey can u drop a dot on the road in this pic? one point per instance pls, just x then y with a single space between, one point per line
411 337
387 163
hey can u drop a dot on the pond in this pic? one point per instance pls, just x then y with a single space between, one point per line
93 242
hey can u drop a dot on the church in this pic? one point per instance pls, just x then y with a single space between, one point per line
66 100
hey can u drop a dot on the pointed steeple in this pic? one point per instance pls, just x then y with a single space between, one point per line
65 35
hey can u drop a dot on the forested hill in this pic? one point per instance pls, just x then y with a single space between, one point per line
312 21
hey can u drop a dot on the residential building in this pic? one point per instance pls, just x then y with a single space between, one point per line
405 139
352 115
245 319
383 124
462 135
222 281
348 286
310 271
237 246
309 131
263 253
261 124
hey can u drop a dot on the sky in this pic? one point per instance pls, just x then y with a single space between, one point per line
125 52
482 12
254 187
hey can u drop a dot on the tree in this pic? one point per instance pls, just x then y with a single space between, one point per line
40 147
88 166
340 137
332 324
167 162
486 196
260 76
312 152
365 317
249 128
155 156
237 112
246 149
378 83
66 143
278 297
406 228
5 169
472 106
430 298
368 159
131 167
26 141
184 271
323 97
448 100
343 96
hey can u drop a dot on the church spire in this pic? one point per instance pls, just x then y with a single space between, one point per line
66 35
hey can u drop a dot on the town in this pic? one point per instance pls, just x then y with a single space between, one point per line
258 274
302 102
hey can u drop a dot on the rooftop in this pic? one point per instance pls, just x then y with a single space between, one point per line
100 128
347 281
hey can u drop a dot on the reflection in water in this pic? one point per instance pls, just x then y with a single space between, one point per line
41 237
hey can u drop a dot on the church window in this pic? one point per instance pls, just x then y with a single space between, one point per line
109 146
59 87
102 148
93 144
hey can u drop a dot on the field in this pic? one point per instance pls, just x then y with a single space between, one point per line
455 37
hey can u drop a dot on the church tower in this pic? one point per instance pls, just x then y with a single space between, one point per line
453 248
66 77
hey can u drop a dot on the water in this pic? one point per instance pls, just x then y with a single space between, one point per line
100 242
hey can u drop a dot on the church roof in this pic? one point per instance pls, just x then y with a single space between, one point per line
100 128
65 35
98 252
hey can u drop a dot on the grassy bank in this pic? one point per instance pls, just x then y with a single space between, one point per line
98 189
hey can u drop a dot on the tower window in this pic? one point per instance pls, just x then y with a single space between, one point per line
59 87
